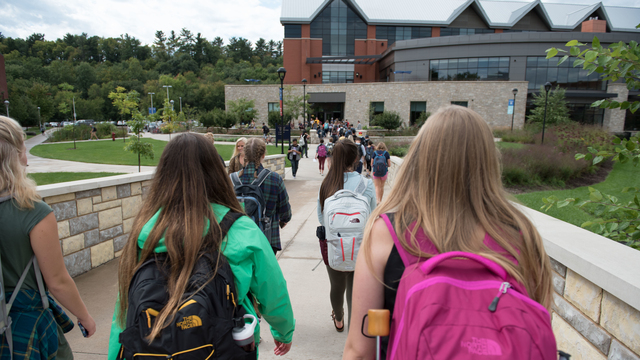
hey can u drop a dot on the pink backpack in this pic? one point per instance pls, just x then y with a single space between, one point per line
452 308
322 151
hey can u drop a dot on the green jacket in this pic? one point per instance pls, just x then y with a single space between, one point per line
255 270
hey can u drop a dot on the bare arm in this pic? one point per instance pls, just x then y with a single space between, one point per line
46 247
368 292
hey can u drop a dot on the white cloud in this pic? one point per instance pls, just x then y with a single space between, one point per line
251 19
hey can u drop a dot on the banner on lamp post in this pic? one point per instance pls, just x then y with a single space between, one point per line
510 107
280 102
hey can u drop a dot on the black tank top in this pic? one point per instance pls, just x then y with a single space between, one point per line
391 277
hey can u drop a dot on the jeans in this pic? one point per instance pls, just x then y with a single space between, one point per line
304 151
294 166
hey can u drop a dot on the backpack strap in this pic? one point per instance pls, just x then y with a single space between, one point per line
362 186
389 220
261 177
235 179
227 221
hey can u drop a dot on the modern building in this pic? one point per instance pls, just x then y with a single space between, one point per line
436 52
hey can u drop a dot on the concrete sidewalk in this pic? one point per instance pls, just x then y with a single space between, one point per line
315 336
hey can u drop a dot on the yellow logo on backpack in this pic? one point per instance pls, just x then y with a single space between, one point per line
189 322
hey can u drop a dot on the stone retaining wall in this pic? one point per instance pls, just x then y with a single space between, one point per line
596 299
95 216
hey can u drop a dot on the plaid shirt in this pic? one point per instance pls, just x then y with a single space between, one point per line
275 197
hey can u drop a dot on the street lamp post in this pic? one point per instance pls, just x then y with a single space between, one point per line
39 120
6 105
167 87
151 102
74 122
180 103
171 105
304 99
515 92
547 87
281 74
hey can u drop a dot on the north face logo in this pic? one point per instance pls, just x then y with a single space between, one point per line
354 221
479 346
189 322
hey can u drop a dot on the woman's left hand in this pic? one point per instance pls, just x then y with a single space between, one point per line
281 348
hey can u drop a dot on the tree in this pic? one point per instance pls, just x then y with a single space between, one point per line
294 105
169 118
274 119
225 119
136 145
557 111
618 61
422 118
389 120
615 220
243 110
125 102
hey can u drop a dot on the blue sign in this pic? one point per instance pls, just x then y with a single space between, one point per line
279 133
152 110
510 107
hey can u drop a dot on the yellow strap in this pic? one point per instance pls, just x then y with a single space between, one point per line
187 304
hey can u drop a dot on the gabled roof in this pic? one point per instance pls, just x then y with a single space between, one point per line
497 14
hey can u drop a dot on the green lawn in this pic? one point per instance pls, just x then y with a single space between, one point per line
509 145
58 177
112 152
622 175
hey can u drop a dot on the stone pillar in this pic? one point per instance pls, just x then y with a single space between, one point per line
614 118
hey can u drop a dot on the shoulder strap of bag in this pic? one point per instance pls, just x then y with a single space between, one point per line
227 221
16 290
261 177
362 186
389 220
235 179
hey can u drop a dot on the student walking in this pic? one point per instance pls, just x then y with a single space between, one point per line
334 241
209 253
273 190
448 197
380 164
294 154
30 236
304 143
330 146
321 156
237 159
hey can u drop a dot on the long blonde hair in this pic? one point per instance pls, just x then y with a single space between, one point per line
235 147
13 175
450 186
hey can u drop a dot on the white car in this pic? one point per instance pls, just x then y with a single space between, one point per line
53 124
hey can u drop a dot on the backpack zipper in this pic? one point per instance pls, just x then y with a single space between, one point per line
503 290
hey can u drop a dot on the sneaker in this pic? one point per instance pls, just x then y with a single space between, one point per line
294 176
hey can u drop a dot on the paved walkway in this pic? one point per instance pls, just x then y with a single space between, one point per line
300 260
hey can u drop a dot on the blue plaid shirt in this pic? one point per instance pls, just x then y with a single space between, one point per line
275 197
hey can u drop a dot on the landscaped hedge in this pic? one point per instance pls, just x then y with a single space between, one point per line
83 132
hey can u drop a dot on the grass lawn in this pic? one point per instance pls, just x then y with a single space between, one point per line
112 152
509 145
58 177
622 175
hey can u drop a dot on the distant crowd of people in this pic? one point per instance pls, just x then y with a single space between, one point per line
199 270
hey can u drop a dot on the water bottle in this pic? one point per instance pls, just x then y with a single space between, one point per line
243 332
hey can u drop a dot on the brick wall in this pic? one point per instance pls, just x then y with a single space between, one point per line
596 299
95 216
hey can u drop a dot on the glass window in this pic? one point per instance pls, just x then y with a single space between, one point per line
540 70
460 103
338 26
398 33
337 77
470 69
377 107
464 31
417 108
293 31
273 106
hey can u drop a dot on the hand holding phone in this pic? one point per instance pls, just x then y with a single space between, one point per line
84 331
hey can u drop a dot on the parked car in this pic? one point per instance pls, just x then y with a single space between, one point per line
53 124
66 123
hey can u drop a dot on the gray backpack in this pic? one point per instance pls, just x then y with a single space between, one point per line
345 215
5 308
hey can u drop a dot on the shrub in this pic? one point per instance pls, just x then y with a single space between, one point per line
389 120
517 136
83 132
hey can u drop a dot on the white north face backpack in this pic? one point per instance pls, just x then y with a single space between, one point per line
345 215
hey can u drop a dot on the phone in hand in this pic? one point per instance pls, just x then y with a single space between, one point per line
84 331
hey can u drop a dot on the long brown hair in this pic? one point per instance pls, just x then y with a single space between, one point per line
13 175
450 186
189 177
344 156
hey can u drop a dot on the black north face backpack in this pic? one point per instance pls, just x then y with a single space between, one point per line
252 200
202 327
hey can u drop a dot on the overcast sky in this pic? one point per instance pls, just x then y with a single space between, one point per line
251 19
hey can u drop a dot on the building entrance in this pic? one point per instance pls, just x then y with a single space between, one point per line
328 111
